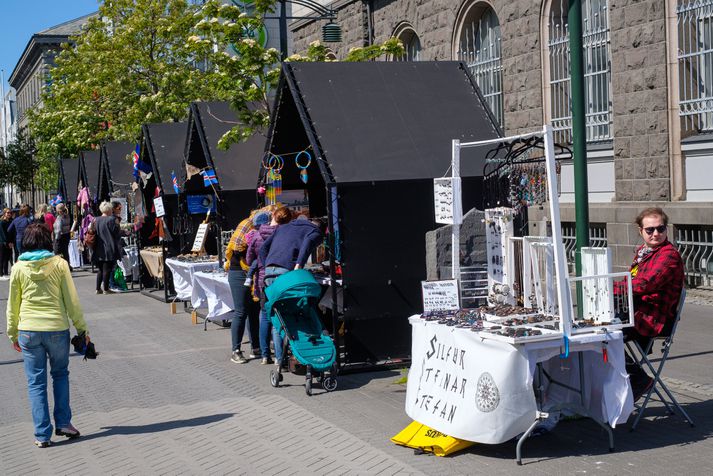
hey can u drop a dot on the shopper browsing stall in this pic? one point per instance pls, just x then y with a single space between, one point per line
289 247
244 308
657 281
281 216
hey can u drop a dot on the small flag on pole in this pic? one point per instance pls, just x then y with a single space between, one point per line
209 177
175 183
135 159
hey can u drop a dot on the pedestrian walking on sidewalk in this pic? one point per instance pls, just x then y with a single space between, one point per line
17 227
62 232
41 301
5 243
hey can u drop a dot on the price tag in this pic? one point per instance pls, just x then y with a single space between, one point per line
440 295
199 241
158 206
447 200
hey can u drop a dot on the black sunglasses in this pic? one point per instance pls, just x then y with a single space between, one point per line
650 229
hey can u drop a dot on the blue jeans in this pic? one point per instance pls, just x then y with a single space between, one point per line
37 346
245 311
266 328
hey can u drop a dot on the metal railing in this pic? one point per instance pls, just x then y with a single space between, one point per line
480 48
597 70
597 239
695 64
695 243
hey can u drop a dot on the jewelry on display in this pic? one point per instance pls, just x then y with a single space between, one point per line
303 168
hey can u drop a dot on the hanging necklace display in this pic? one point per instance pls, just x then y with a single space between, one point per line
303 168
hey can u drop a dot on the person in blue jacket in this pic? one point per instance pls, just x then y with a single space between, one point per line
17 227
289 247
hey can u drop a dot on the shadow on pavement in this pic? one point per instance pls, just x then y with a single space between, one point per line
352 381
10 362
583 437
154 427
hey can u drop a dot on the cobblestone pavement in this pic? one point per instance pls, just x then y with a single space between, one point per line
163 398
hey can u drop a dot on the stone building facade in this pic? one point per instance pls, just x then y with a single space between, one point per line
648 131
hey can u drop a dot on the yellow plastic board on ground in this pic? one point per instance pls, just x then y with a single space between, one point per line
422 437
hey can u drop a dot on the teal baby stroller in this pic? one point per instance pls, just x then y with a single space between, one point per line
291 306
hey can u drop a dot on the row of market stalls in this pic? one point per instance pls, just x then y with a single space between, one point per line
357 144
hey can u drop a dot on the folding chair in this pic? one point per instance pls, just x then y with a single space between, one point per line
641 357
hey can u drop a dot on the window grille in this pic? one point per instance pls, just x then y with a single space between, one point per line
597 239
695 243
597 70
695 64
412 46
479 46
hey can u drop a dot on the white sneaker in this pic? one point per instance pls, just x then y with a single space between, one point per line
238 358
4 278
248 282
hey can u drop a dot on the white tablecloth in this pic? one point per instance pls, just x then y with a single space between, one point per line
481 390
212 289
183 275
75 257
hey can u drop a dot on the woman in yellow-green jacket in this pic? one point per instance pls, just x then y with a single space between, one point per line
42 299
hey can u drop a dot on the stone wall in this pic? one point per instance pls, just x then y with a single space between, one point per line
639 85
435 22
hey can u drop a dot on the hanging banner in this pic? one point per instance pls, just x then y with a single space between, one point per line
201 204
447 200
440 295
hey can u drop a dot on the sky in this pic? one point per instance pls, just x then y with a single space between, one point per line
20 19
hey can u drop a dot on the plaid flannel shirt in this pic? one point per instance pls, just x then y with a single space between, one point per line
238 243
657 281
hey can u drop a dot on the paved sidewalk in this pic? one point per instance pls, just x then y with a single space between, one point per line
163 398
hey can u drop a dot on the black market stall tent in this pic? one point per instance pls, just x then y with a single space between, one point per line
117 169
236 169
90 163
161 148
378 133
69 179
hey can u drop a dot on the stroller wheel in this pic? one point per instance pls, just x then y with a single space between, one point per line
275 378
329 383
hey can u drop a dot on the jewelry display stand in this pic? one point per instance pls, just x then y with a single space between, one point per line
550 309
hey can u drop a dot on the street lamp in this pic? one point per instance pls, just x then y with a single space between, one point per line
331 32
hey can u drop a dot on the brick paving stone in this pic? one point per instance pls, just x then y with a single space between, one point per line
163 398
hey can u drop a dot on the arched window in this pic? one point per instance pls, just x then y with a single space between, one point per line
412 45
478 45
597 70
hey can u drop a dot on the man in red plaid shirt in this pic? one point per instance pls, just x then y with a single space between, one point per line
657 281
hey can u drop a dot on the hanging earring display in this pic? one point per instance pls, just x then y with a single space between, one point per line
303 167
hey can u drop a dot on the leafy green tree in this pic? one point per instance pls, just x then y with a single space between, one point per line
18 165
250 71
131 65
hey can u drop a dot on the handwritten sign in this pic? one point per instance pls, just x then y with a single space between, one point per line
447 200
440 295
199 241
158 206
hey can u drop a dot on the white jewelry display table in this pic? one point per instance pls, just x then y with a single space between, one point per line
481 390
183 273
212 289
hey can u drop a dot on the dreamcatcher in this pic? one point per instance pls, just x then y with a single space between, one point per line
273 180
303 167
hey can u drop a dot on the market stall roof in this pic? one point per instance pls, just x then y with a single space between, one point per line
236 168
70 177
164 143
380 121
91 166
116 160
